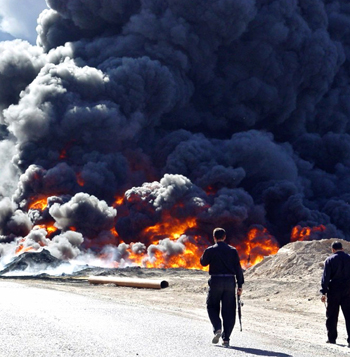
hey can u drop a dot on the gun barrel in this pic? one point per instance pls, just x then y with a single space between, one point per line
240 304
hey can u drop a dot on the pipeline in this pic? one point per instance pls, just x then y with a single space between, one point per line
130 282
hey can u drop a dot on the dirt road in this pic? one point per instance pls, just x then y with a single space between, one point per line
280 318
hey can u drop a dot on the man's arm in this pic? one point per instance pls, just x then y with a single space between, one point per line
205 260
326 277
239 271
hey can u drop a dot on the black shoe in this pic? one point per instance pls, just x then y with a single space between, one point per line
217 336
226 344
332 342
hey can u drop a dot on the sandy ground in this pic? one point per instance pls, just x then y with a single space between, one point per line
281 295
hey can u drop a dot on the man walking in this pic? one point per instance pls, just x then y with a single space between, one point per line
225 271
335 289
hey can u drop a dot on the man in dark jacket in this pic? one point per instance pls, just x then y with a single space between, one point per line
225 271
335 289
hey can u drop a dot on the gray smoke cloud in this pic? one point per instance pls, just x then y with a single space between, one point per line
84 212
232 112
20 64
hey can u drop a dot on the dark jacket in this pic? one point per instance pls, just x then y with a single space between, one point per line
336 274
223 260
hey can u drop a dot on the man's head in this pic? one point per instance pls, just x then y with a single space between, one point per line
219 234
336 246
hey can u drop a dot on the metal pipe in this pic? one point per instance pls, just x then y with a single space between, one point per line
132 282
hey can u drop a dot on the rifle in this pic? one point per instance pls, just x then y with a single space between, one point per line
239 304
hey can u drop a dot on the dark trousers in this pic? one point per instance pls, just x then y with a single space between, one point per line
221 298
339 298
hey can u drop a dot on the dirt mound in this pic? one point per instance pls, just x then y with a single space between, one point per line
296 260
36 261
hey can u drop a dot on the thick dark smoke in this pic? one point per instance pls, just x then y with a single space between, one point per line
232 112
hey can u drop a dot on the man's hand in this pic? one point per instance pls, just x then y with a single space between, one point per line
239 291
324 298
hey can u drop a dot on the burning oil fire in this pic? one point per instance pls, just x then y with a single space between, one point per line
39 204
259 244
172 243
103 105
306 233
171 246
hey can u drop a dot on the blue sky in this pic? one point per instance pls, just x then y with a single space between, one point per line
18 19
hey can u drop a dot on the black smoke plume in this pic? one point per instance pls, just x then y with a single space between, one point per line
232 112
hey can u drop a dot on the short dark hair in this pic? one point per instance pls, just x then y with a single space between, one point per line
337 245
219 233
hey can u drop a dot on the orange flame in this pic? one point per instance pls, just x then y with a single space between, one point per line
136 258
173 230
80 179
259 244
171 227
21 249
114 232
118 200
187 259
50 229
304 233
39 204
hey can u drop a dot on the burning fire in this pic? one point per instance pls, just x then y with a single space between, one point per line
50 229
21 248
188 259
39 204
173 243
171 227
25 246
118 200
184 249
258 244
80 179
305 233
158 257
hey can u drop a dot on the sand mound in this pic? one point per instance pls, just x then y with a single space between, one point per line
296 260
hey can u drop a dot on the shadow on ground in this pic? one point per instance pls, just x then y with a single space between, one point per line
257 352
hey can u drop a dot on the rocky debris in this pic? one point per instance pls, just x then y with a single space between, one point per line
32 261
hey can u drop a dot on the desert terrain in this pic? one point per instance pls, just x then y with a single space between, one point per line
281 295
